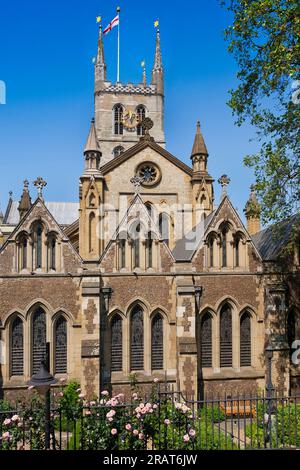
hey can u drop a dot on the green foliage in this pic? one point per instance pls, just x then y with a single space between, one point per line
264 38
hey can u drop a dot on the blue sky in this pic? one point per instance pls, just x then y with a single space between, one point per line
46 51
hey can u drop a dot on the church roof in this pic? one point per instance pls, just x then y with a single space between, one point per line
186 246
270 241
65 213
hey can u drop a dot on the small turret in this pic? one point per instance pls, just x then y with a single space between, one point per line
25 202
252 211
92 153
201 180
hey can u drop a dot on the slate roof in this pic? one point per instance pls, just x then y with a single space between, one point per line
186 246
270 241
65 213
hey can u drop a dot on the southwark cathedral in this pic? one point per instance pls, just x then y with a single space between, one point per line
146 275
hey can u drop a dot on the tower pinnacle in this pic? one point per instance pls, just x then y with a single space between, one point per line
158 71
100 65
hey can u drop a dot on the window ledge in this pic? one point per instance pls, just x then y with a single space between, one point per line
244 373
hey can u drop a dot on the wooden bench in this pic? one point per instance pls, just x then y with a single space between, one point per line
238 408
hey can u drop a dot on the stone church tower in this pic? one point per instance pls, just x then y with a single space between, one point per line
120 108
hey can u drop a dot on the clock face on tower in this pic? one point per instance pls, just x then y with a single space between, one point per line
130 119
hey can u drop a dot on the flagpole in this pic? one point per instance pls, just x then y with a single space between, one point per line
118 67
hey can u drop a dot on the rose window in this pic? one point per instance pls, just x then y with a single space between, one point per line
149 173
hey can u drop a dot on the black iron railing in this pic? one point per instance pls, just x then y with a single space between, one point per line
166 421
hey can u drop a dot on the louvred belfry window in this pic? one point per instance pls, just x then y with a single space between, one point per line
17 347
116 344
226 337
157 343
38 339
141 114
245 340
206 341
118 118
61 344
137 339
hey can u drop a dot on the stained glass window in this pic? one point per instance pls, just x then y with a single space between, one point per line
38 246
17 347
116 344
137 339
157 343
61 346
245 340
38 339
206 341
226 337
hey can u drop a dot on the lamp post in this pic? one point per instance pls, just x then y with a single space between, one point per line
105 295
42 381
269 389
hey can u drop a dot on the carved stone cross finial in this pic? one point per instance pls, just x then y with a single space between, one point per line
147 124
26 185
224 181
40 184
137 182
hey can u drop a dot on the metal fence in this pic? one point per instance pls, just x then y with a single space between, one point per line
167 421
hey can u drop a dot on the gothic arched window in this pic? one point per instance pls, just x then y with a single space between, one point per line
206 340
52 252
118 150
137 339
245 340
224 247
118 119
23 245
136 247
141 114
211 252
38 339
17 347
149 250
122 253
164 227
116 344
38 245
61 346
226 336
157 342
92 231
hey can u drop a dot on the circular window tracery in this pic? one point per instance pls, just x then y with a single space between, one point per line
150 173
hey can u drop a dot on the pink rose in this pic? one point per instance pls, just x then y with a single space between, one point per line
141 436
155 407
15 418
135 432
6 436
114 432
192 432
105 393
128 427
186 438
7 422
167 422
